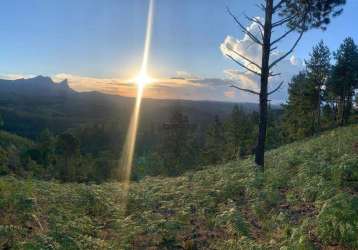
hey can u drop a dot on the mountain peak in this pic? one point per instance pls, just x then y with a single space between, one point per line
64 83
41 77
38 85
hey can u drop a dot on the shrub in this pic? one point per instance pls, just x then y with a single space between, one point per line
338 220
298 241
346 173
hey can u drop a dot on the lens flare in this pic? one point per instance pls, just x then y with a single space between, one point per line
141 80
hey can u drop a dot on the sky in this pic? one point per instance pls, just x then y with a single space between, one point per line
98 45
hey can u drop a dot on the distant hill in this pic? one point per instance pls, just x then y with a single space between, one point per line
31 105
307 199
35 87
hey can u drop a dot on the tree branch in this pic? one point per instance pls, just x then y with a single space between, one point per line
282 21
242 65
283 36
274 74
246 90
276 89
252 36
289 52
257 21
260 6
246 58
274 48
278 5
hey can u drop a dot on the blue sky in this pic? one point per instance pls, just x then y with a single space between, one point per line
92 40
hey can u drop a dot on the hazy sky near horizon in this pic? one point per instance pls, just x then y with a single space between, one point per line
98 44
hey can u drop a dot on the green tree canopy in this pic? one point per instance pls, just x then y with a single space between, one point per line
344 78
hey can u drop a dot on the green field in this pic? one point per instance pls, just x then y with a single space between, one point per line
306 199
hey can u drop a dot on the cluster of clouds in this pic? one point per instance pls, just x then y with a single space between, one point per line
184 85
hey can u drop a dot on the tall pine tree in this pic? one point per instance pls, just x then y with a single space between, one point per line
178 148
214 148
318 68
299 111
344 79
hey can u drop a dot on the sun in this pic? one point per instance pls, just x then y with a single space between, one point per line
143 79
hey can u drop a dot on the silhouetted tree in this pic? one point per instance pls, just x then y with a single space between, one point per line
178 147
46 146
296 15
298 119
214 143
318 68
67 148
240 133
344 79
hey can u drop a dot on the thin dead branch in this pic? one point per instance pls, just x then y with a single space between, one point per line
244 66
245 90
288 52
276 89
244 29
245 58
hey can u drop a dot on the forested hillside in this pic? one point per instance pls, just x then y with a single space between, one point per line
307 198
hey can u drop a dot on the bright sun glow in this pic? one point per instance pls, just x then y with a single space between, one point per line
142 80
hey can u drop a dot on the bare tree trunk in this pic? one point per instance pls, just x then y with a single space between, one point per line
341 111
265 71
318 129
347 108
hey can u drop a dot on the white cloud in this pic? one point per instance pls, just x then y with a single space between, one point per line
184 75
15 76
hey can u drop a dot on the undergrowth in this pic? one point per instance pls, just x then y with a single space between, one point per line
305 199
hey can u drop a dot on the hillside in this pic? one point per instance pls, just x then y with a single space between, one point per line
307 199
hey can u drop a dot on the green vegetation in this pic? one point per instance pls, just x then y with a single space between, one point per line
321 97
173 137
91 153
11 147
306 199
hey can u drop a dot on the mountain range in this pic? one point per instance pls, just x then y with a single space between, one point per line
30 105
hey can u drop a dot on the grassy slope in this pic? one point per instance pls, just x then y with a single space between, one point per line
307 198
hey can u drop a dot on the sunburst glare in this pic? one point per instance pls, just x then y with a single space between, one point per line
141 80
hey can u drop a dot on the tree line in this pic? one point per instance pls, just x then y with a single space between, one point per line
322 96
91 153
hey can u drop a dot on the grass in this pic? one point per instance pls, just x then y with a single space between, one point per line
306 199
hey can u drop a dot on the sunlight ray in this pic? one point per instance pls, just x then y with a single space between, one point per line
141 80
